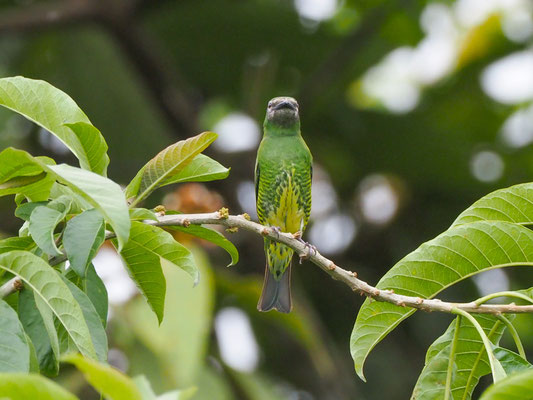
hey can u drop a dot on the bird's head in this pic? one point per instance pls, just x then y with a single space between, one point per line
282 112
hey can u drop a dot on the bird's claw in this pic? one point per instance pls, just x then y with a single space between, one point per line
311 250
276 230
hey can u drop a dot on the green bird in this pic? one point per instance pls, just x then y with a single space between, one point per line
283 175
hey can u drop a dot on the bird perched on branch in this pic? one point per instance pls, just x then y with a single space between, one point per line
283 195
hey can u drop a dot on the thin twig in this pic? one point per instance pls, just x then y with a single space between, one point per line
347 277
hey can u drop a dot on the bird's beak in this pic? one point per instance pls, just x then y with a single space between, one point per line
285 104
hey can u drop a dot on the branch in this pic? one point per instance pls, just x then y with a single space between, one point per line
347 277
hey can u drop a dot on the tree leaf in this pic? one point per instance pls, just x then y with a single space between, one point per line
182 339
97 293
518 386
470 363
511 361
15 164
110 382
55 111
102 193
511 204
14 349
139 214
24 210
148 248
201 169
83 236
31 386
449 258
16 243
34 362
95 145
43 221
212 236
94 323
166 164
46 345
48 285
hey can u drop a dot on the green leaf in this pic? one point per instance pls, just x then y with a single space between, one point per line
110 382
470 363
167 164
147 392
518 386
46 345
181 340
55 111
212 236
147 250
140 214
511 361
34 362
16 243
24 210
97 293
31 386
201 169
83 236
15 164
93 141
48 285
511 204
94 323
102 193
14 349
43 221
449 258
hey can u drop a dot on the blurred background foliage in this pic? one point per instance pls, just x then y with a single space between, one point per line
413 109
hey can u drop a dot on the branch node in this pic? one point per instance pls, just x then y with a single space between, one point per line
186 223
419 300
160 210
18 285
246 216
264 232
332 266
297 235
352 273
223 213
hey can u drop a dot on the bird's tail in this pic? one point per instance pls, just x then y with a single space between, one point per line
276 293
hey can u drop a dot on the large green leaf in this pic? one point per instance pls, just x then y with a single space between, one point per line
201 169
96 291
102 193
43 221
83 236
212 236
31 386
48 285
94 323
20 174
46 345
110 382
167 164
512 204
181 340
16 243
14 349
517 386
147 250
511 362
449 258
470 363
55 111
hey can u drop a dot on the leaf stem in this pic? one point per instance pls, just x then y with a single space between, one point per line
514 334
491 296
449 372
495 366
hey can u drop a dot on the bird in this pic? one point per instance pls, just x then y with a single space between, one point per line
283 174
